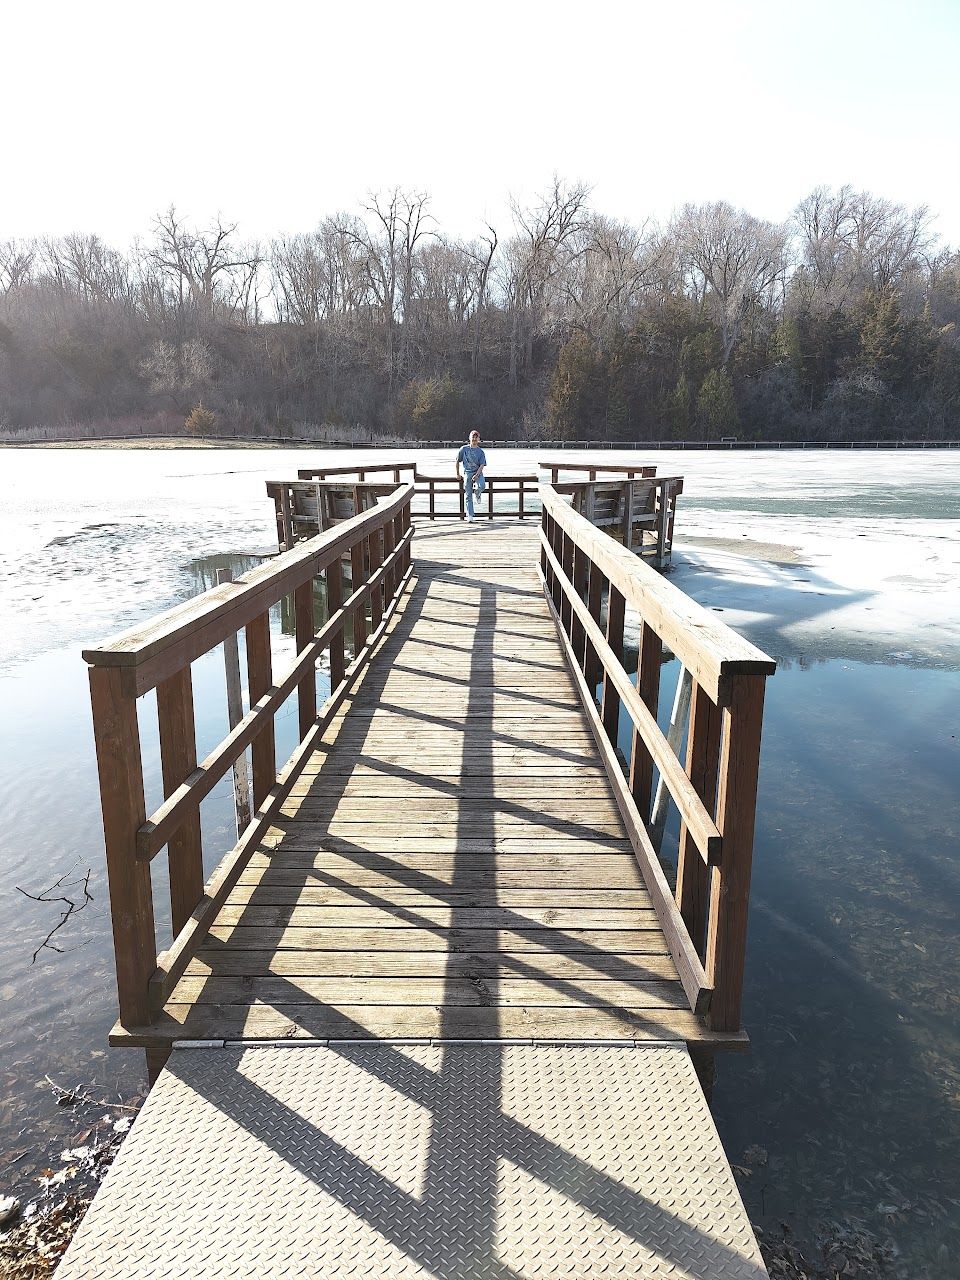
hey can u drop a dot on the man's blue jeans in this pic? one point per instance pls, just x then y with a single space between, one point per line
468 480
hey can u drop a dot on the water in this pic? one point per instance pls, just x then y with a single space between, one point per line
846 1105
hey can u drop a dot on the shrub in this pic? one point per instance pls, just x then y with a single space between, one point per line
200 421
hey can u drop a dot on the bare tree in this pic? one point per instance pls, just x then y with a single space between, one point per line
533 260
397 223
17 259
605 283
731 261
851 241
210 268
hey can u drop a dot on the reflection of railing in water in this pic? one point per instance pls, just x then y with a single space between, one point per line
158 656
705 920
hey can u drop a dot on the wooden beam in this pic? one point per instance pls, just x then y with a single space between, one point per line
703 760
691 971
178 759
736 815
117 738
259 680
709 649
702 826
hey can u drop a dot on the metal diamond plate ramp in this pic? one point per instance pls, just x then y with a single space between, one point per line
461 1161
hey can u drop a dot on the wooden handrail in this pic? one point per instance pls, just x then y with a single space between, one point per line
709 649
360 470
704 917
597 468
155 649
691 807
159 653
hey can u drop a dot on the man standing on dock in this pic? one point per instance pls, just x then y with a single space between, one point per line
472 460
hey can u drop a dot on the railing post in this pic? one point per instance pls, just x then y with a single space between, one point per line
648 686
610 699
567 553
593 668
231 665
406 521
356 581
117 737
178 758
334 579
376 560
259 678
305 629
736 815
578 637
390 579
556 545
703 762
286 517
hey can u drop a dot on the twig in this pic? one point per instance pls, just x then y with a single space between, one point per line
81 1097
71 905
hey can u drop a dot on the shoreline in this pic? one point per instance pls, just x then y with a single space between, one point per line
678 447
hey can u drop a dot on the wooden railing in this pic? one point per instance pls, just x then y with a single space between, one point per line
298 502
591 470
522 487
640 512
704 917
158 655
304 508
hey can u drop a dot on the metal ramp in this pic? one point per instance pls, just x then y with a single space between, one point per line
453 1160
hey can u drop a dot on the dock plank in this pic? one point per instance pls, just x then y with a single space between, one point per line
451 862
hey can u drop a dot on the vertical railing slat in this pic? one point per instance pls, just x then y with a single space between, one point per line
730 881
117 737
178 758
375 555
334 580
305 629
703 761
360 612
259 679
648 686
610 699
594 667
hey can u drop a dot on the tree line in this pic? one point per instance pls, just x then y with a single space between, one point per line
841 323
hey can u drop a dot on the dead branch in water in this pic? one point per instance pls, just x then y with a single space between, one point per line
72 905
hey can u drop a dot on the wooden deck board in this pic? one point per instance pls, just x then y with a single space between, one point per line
451 861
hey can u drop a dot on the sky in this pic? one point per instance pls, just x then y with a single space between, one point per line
273 115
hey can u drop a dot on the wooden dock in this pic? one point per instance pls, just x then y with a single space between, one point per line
454 856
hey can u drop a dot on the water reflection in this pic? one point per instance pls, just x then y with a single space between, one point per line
847 1105
851 1088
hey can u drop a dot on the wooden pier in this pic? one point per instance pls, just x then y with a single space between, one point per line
455 870
630 502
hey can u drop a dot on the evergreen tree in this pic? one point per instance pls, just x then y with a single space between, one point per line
576 402
680 410
716 408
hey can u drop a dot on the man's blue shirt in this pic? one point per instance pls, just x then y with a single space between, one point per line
471 457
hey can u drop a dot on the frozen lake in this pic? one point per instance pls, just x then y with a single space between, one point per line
845 567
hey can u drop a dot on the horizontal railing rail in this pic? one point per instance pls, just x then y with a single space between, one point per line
594 469
297 502
391 467
704 916
640 511
523 487
376 545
